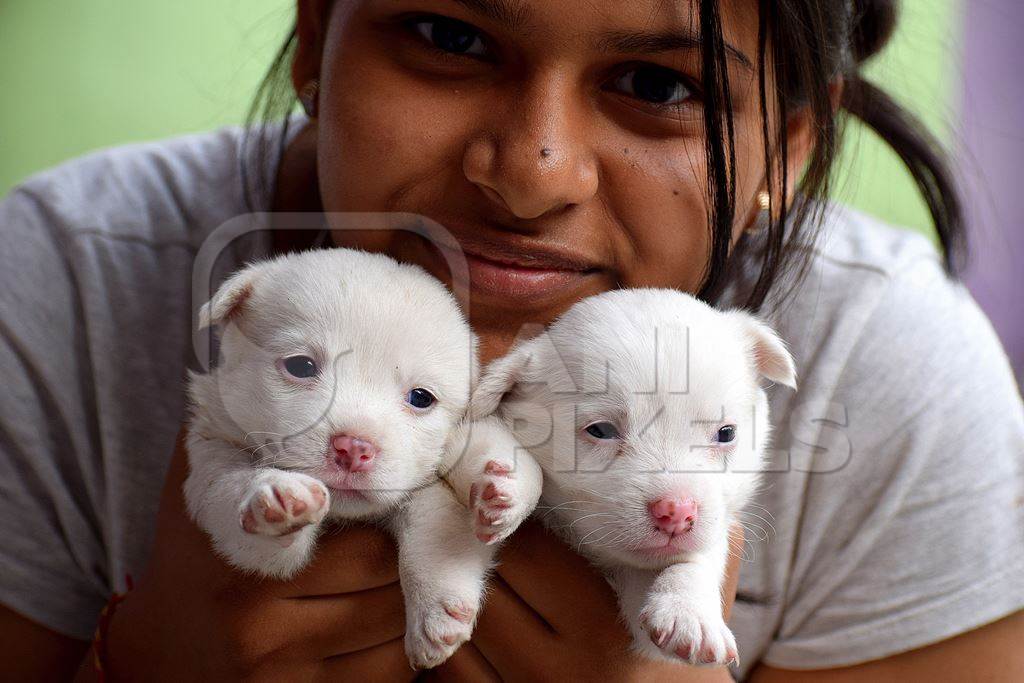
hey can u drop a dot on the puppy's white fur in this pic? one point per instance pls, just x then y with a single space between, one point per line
259 440
668 371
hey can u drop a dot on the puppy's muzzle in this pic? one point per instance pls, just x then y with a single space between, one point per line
353 454
672 515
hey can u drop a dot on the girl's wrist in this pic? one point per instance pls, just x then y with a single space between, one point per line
87 669
95 665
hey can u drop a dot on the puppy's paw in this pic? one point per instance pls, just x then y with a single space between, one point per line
684 629
435 628
281 503
495 502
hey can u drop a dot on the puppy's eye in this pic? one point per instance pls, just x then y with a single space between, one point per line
726 434
602 430
420 398
301 367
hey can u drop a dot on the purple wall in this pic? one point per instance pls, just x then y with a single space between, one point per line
992 159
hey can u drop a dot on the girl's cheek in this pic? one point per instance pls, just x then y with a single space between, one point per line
657 194
380 131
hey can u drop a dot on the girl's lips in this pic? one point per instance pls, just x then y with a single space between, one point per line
527 271
518 282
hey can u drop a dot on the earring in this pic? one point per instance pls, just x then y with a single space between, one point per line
764 204
308 96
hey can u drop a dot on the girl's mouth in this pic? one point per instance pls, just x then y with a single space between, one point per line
497 277
518 271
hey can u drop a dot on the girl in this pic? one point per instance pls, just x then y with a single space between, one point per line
570 148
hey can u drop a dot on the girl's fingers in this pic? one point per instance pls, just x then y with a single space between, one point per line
467 664
732 571
385 662
347 560
558 584
510 635
327 626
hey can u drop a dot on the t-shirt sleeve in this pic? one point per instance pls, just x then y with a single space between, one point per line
52 562
920 535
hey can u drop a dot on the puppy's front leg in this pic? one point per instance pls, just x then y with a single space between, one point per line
443 569
677 612
492 475
261 520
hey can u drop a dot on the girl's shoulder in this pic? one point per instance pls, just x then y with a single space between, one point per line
95 313
165 191
875 298
894 482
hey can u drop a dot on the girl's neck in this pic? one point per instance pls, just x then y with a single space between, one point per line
297 190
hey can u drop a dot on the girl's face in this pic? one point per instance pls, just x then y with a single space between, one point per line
561 142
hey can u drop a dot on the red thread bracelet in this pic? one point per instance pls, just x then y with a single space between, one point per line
99 638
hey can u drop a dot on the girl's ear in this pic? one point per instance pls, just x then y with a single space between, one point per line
770 356
310 29
498 379
229 301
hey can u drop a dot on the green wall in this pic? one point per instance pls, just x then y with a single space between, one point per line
84 74
921 69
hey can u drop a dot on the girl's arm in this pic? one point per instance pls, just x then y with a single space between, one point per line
33 652
990 653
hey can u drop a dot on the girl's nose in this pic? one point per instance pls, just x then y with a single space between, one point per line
533 158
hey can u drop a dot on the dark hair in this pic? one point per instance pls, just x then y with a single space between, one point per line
809 45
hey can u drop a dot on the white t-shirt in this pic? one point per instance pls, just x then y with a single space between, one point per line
894 511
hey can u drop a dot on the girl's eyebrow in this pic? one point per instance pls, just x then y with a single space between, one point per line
650 43
512 14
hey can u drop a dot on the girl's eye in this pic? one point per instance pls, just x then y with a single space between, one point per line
451 35
301 367
726 434
602 430
654 84
420 398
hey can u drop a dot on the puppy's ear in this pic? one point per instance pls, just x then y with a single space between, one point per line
770 355
230 298
498 379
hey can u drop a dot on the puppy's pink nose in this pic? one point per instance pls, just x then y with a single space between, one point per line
673 515
353 454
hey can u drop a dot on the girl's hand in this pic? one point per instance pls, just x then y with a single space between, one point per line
191 616
551 616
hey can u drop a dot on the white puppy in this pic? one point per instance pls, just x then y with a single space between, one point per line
644 409
342 382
